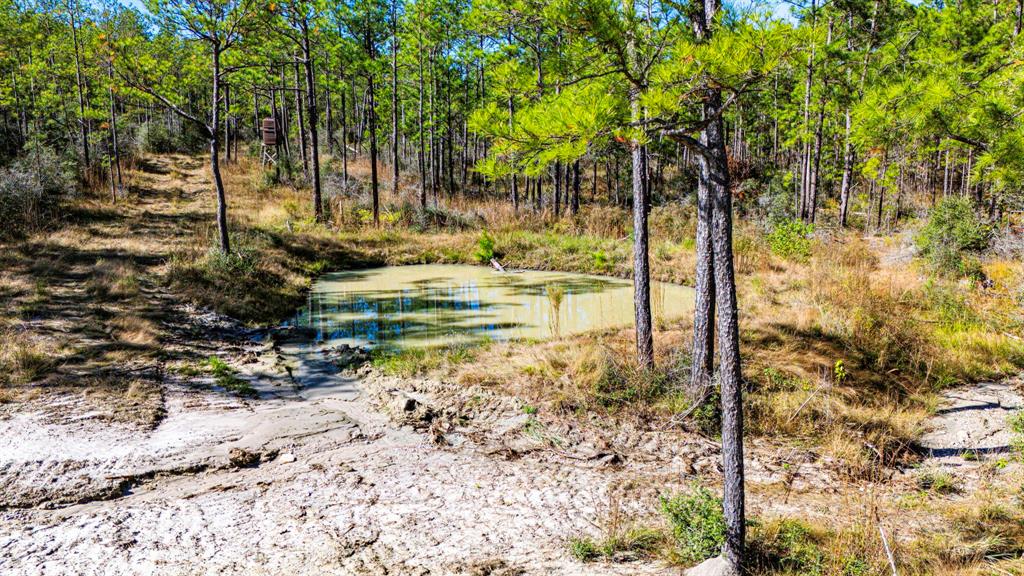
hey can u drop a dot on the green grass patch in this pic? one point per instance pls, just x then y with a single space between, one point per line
226 377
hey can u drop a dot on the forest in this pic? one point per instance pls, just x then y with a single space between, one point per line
512 287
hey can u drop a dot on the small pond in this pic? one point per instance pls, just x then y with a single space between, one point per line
440 304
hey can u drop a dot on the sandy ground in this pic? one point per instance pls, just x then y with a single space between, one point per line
349 475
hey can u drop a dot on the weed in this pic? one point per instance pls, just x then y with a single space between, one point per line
954 233
416 361
708 417
555 293
938 482
839 372
791 239
1016 422
23 361
226 377
697 525
634 543
788 546
584 549
484 248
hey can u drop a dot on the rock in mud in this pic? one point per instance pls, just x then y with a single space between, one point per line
716 566
412 411
242 458
344 356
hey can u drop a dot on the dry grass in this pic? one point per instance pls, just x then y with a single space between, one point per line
23 359
117 398
113 280
133 330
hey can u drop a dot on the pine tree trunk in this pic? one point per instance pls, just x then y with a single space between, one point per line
514 178
79 83
574 206
718 201
302 123
641 265
844 190
222 214
423 144
307 62
394 99
344 134
372 119
730 372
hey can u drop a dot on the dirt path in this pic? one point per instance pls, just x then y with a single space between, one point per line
347 478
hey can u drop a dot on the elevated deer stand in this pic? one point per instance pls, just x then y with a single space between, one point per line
268 147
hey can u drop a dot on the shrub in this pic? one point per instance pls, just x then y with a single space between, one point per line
953 235
31 191
697 523
484 248
791 239
158 138
155 138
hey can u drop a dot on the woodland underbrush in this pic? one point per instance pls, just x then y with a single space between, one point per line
981 535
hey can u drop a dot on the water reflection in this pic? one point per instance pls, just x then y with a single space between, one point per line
430 305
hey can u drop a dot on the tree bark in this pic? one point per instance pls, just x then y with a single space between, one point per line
372 118
730 373
394 99
222 210
115 160
423 145
715 173
641 265
574 205
302 123
844 190
72 12
307 63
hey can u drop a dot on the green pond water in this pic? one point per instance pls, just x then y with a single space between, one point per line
439 304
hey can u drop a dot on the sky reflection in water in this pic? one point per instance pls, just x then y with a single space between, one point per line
439 304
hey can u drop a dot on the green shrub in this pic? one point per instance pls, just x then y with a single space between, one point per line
484 247
602 262
953 235
951 307
31 191
788 546
791 239
697 523
1016 422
